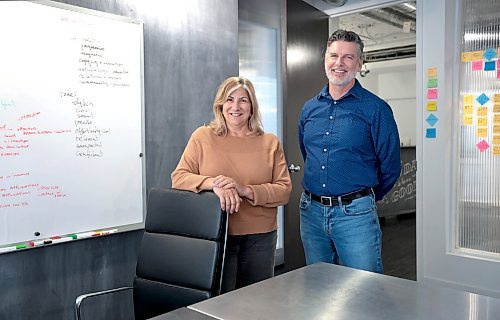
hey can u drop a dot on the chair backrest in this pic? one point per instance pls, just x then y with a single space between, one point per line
182 252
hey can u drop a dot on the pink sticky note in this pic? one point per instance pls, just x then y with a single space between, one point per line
482 145
498 73
477 65
432 93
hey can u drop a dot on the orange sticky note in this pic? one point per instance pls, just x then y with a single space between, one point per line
496 129
467 120
482 111
467 56
432 93
482 132
496 107
432 72
477 65
477 55
482 121
496 150
468 99
496 140
496 98
496 119
432 105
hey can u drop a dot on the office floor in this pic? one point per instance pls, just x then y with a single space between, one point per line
399 252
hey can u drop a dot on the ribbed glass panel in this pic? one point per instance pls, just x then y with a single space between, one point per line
479 108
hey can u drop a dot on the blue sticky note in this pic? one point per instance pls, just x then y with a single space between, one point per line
482 99
430 133
489 66
489 54
432 119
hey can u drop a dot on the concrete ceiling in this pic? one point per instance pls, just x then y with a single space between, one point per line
387 26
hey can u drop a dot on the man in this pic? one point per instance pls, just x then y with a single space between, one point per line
350 144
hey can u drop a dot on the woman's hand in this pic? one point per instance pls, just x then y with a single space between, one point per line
229 199
229 183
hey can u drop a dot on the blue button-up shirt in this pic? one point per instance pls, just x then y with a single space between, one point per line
349 144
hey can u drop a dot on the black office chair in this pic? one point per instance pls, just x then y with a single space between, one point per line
181 257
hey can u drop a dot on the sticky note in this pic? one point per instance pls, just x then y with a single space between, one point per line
496 140
482 132
489 66
498 73
496 150
482 111
496 118
477 55
496 129
430 133
482 121
482 145
489 54
467 56
432 119
432 93
467 120
432 72
496 107
477 65
432 106
496 98
432 83
468 99
482 99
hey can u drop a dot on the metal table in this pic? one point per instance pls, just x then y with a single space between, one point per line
183 314
326 291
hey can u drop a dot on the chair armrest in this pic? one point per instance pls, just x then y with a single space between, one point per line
80 298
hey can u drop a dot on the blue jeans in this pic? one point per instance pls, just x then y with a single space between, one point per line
345 234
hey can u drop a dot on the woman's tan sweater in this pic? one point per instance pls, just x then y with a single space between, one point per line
255 161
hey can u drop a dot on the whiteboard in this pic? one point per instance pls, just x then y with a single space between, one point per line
71 121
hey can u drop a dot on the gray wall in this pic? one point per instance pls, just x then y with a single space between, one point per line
189 48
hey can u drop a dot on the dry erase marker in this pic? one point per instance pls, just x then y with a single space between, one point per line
36 243
7 249
85 235
105 232
64 239
21 246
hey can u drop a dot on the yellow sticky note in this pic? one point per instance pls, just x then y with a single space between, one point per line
496 129
432 72
496 119
468 109
467 56
432 105
496 98
496 150
468 99
496 140
482 132
477 55
482 111
467 120
482 121
496 108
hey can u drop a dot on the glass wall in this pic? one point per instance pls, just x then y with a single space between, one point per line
259 62
478 221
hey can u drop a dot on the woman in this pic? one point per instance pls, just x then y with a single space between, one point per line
246 169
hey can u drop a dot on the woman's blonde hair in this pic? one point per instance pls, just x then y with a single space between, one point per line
227 87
